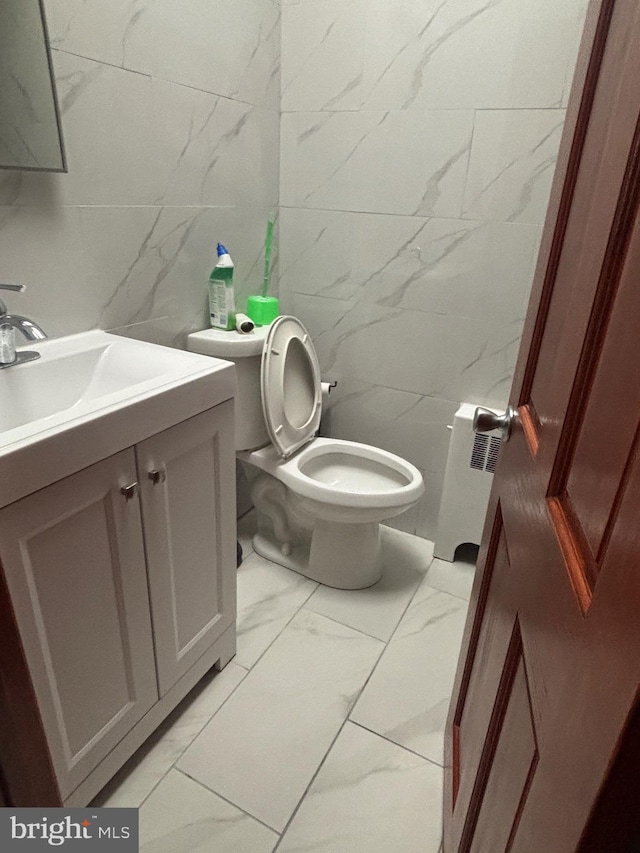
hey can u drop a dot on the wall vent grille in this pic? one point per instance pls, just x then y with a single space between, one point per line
484 454
492 455
479 452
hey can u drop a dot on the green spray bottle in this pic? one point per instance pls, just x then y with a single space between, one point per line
222 303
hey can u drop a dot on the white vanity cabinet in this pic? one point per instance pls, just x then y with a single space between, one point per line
185 474
122 581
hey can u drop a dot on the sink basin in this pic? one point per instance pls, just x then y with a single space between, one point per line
81 372
92 394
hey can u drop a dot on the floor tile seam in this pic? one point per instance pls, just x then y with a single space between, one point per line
401 617
351 628
395 743
279 634
196 735
308 787
388 643
366 633
328 618
330 747
447 592
386 646
226 800
343 624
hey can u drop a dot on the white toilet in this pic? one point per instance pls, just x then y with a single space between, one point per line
319 500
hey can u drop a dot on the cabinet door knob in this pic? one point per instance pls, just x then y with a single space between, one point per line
158 475
129 491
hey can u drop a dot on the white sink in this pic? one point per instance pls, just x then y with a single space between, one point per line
92 394
82 372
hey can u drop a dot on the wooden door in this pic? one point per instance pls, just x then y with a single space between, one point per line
187 478
73 561
543 736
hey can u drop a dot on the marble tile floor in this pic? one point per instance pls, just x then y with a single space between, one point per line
325 732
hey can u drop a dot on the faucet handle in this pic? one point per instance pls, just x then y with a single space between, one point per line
16 288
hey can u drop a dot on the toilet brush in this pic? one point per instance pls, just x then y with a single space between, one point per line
264 309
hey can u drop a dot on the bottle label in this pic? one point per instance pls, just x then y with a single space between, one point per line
221 303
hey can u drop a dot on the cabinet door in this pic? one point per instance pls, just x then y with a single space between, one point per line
73 558
187 478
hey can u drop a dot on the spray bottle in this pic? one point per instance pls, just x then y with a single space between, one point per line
222 305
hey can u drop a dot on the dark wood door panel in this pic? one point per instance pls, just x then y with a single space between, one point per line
486 660
542 712
601 173
607 428
512 771
604 410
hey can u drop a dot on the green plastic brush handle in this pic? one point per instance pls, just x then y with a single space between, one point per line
268 245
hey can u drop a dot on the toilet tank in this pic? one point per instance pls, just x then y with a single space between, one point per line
245 351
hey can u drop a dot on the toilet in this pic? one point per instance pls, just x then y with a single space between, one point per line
319 501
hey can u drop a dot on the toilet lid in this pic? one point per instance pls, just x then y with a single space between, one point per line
290 386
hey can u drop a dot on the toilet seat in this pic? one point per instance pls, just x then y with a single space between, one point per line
345 475
290 386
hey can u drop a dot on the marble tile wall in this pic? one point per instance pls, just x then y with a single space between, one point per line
418 142
171 123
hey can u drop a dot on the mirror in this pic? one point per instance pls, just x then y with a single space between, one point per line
30 131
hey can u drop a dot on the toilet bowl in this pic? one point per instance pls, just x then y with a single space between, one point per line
319 501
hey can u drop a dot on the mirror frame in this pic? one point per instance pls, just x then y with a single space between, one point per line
56 106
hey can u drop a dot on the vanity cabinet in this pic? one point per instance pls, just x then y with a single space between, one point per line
184 474
122 580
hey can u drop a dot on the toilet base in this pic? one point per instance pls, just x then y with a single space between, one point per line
344 556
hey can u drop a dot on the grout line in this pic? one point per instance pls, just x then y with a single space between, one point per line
324 758
289 621
410 602
386 641
124 206
178 757
358 212
446 592
230 802
167 80
311 781
459 219
442 315
344 624
55 49
555 107
349 720
398 745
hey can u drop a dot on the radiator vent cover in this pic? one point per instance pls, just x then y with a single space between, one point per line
492 455
484 453
471 462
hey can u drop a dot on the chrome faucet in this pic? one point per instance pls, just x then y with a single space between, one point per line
8 325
